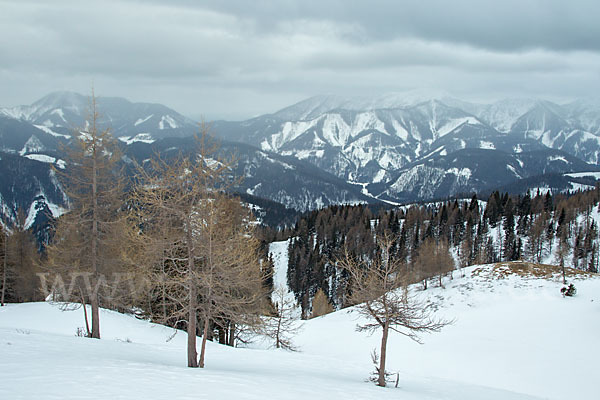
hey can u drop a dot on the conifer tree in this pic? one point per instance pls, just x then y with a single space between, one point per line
22 262
320 305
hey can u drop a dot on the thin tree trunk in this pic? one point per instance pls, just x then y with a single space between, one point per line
191 329
222 334
164 294
95 317
384 337
192 314
231 334
204 337
208 297
87 324
94 296
278 330
4 271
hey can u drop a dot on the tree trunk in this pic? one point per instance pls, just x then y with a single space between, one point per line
192 314
204 337
87 324
231 334
4 271
95 317
222 334
94 295
278 330
384 337
164 295
191 331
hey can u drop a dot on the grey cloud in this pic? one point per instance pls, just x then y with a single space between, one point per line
240 58
499 25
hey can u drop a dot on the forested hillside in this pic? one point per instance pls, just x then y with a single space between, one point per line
435 239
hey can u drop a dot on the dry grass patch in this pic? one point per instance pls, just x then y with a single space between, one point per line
526 269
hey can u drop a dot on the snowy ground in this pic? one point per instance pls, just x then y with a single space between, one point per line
513 338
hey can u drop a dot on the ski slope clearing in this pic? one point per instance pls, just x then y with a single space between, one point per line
514 337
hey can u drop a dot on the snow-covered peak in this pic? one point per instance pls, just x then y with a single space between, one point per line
317 105
60 99
63 112
503 114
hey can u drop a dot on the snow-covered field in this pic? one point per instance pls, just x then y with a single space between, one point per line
513 338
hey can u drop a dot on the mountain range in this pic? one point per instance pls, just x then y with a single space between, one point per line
323 150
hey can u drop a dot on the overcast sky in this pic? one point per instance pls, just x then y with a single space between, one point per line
237 59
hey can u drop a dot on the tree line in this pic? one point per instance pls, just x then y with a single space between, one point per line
433 240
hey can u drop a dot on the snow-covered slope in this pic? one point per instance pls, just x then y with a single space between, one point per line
59 113
514 337
368 140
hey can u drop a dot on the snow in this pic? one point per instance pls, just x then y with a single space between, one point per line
142 120
513 170
253 190
367 121
60 113
518 149
335 130
33 145
46 159
326 103
401 131
289 131
579 187
51 132
512 338
167 120
379 176
56 210
270 159
304 154
14 112
463 174
595 175
452 124
279 254
558 158
543 190
364 190
486 145
503 114
548 140
140 137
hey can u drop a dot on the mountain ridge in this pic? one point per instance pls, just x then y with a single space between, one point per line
339 155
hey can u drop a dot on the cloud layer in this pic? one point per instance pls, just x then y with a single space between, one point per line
240 58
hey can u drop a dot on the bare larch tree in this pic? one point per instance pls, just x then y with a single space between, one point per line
378 288
89 238
200 249
285 323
